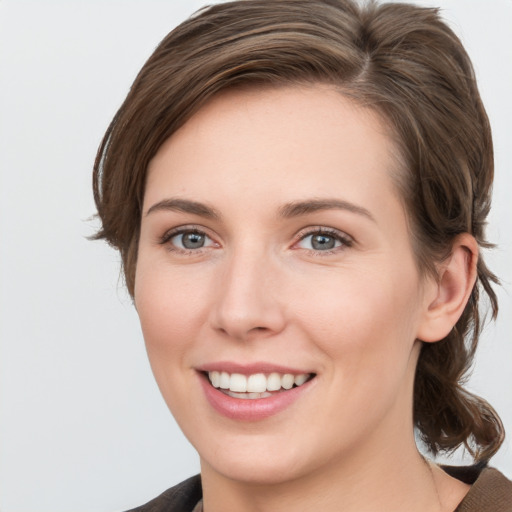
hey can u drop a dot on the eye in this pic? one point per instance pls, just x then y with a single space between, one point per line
323 240
187 239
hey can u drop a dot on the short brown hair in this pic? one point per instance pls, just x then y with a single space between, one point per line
400 60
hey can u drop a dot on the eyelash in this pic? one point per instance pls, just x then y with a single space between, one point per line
344 240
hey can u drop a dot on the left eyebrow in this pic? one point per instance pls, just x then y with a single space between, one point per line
298 208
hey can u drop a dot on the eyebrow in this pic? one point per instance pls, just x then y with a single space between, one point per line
298 208
294 209
185 206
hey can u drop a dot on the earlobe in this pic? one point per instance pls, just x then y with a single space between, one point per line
450 293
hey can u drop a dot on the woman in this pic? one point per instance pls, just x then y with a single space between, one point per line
298 191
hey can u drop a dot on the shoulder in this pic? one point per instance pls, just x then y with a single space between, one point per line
490 490
180 498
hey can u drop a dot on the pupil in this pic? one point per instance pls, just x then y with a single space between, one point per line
193 240
322 242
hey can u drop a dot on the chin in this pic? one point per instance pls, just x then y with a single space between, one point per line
251 470
258 458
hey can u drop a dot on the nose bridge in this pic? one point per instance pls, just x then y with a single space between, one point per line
247 300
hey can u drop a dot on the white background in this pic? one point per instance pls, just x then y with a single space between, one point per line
82 424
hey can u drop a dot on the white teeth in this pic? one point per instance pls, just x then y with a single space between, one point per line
287 381
274 382
215 379
300 379
248 396
256 385
238 383
224 380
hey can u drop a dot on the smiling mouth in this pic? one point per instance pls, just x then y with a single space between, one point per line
257 385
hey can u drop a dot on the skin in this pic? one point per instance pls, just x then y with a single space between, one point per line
259 291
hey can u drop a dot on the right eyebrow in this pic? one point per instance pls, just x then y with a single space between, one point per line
185 206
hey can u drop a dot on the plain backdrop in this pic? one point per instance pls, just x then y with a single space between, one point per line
82 424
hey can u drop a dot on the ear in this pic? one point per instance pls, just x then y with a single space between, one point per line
446 297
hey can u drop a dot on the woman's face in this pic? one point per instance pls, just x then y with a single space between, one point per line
274 250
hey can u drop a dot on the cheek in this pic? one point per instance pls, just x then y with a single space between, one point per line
365 327
170 313
169 302
368 317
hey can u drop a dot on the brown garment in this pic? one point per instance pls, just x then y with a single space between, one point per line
490 492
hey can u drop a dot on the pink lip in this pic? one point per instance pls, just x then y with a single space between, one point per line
248 369
251 410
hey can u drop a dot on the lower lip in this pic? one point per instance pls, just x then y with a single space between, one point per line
251 409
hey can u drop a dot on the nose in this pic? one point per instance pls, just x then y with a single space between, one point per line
248 303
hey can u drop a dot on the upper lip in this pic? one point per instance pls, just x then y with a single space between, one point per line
249 369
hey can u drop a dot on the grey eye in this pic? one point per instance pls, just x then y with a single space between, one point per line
323 242
191 240
320 242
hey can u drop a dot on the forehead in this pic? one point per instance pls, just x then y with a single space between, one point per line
296 140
